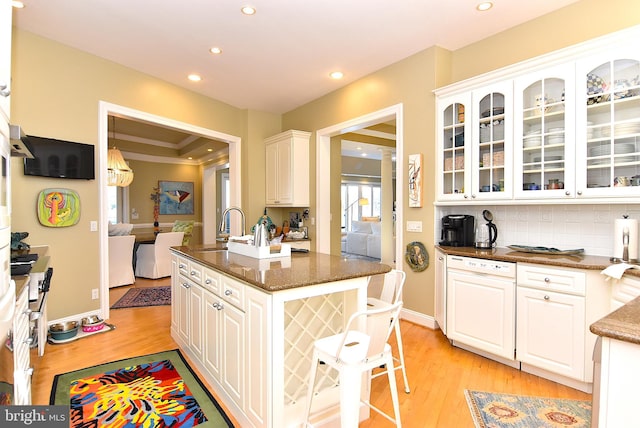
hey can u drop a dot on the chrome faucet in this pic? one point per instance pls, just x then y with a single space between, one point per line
223 223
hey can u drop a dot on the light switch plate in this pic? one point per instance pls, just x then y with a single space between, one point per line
414 226
93 226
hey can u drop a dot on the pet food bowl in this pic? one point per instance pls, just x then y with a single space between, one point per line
92 323
63 330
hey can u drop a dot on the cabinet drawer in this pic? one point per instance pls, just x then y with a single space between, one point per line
624 290
545 278
195 272
211 280
232 291
183 266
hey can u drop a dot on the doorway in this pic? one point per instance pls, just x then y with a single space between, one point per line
208 219
323 169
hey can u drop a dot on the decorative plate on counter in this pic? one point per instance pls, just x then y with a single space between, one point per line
544 250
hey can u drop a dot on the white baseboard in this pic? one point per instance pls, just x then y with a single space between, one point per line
418 318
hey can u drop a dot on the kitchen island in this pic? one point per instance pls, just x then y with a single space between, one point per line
249 324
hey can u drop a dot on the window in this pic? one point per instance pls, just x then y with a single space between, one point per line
359 200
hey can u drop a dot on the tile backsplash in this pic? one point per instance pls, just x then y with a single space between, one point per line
561 226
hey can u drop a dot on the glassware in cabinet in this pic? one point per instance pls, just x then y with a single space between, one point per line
612 122
491 159
544 133
453 142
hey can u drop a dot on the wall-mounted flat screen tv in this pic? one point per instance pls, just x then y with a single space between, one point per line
59 159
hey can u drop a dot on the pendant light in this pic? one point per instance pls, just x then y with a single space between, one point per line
118 172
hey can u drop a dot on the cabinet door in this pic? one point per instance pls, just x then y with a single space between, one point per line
21 353
258 401
544 134
454 147
6 11
195 320
481 312
551 331
211 333
233 354
441 291
492 136
182 301
609 122
271 169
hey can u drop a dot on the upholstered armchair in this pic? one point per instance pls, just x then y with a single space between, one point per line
121 260
154 260
185 226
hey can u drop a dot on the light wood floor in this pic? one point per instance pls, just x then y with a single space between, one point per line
438 373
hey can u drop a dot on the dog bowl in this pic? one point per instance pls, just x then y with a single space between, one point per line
63 330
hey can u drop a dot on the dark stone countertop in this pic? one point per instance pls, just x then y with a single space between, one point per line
276 274
577 261
621 324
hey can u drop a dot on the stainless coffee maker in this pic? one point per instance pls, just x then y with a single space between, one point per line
457 230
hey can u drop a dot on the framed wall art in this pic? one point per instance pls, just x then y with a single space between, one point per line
415 181
176 197
58 207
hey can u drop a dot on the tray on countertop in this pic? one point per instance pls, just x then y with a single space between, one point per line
544 250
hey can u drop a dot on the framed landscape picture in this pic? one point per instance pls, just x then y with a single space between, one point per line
176 197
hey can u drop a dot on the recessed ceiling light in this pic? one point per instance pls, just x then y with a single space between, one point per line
336 75
194 77
17 4
248 10
190 158
215 50
209 150
485 5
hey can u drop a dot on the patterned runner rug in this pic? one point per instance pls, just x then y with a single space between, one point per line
144 296
156 390
491 410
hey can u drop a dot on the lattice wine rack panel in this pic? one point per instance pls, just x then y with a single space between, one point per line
307 320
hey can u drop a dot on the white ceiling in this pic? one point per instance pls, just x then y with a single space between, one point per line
278 59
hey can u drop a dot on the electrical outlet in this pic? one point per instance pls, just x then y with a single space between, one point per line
94 293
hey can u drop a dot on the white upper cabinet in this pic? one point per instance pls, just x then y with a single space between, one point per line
562 126
287 169
544 133
609 124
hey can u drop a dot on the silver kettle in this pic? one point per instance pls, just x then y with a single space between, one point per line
487 234
260 236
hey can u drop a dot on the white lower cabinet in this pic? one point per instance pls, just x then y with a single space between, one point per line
21 354
551 331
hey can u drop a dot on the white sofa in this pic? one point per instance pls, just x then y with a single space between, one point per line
364 239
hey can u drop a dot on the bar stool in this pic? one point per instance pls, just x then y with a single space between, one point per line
354 353
391 294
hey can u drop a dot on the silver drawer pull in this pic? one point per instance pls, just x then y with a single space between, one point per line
228 292
193 273
186 285
546 297
220 307
547 280
181 266
208 281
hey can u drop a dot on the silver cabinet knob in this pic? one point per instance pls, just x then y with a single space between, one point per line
220 307
186 285
228 292
208 281
181 266
546 297
547 280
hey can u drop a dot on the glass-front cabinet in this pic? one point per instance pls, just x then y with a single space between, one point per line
544 134
454 140
474 143
609 109
492 130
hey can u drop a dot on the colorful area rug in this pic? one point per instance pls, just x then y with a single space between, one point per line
491 410
156 390
145 296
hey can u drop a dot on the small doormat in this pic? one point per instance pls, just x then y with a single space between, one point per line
144 296
491 410
156 390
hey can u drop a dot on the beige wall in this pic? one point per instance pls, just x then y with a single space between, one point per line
55 93
411 81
